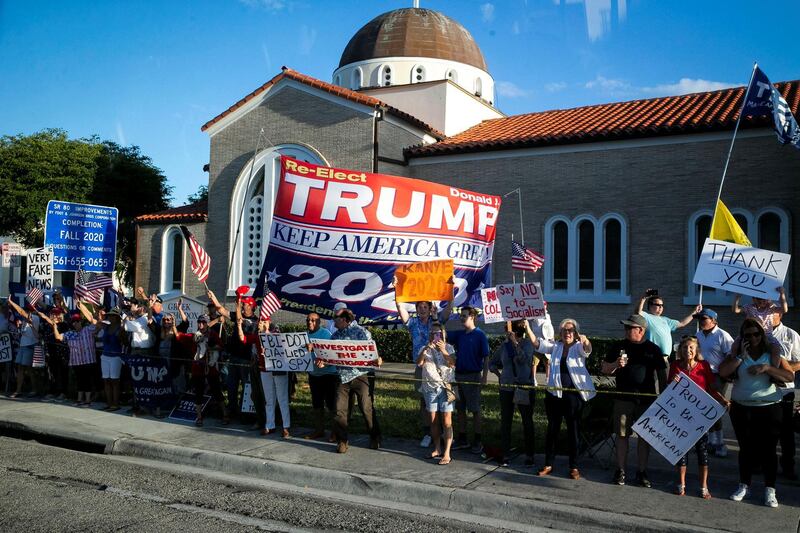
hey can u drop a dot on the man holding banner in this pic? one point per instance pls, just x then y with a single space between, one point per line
353 380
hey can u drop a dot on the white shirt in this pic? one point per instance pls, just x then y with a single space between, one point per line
142 336
576 365
789 340
714 346
29 334
543 328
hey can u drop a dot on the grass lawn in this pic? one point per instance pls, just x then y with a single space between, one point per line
397 405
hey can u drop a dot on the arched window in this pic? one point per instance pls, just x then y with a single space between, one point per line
767 229
452 75
586 259
172 260
385 75
418 74
478 87
357 78
337 80
251 210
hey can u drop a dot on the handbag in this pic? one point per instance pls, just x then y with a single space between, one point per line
452 396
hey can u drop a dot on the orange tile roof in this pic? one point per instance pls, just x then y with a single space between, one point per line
196 212
347 94
671 115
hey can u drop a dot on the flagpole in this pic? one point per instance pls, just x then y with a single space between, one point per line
241 215
728 159
518 190
513 273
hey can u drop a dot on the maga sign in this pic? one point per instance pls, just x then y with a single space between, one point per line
742 269
82 236
40 269
346 353
678 418
522 300
337 235
422 282
286 352
492 312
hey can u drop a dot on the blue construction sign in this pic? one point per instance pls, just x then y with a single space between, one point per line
82 236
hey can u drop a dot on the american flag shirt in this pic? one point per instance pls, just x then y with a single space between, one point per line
81 346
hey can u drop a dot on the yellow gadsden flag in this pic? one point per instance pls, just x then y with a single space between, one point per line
725 228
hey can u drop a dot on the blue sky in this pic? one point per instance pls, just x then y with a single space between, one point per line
150 73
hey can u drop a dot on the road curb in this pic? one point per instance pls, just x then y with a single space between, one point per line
523 511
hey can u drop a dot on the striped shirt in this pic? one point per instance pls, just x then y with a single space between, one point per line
81 346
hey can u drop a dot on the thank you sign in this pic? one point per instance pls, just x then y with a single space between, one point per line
82 236
678 418
741 269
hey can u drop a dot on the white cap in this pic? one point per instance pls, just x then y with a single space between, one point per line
339 305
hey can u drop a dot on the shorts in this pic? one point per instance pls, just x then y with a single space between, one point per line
436 402
626 413
111 366
469 392
25 356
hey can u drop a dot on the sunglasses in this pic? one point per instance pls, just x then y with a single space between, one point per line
656 305
632 327
568 330
312 319
688 337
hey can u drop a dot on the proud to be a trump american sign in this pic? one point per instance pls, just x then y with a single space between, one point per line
337 235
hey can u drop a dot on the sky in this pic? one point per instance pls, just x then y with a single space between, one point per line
151 73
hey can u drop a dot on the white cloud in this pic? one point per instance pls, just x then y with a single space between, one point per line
687 86
509 90
269 5
555 86
487 12
607 84
308 37
515 28
267 59
121 134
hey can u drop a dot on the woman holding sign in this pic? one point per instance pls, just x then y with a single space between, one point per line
569 387
756 411
690 362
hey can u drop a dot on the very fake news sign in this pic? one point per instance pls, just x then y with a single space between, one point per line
741 269
286 352
346 353
678 418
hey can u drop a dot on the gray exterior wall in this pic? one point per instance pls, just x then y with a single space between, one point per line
148 259
656 188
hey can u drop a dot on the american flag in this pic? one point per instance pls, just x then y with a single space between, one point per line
89 287
524 259
201 261
34 296
269 304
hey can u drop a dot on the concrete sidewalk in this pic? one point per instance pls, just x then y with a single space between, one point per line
399 472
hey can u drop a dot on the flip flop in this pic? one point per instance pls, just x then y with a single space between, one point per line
435 455
443 461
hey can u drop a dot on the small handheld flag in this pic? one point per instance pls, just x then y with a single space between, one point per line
34 296
201 261
90 289
524 259
269 304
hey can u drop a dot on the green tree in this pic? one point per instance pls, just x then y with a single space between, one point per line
49 166
37 168
199 196
128 180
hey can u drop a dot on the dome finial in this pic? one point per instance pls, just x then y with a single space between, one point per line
415 4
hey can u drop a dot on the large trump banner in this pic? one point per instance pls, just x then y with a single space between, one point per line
337 235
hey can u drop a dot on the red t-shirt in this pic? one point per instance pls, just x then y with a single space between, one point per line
701 374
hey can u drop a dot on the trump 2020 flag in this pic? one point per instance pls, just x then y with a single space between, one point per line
762 99
337 235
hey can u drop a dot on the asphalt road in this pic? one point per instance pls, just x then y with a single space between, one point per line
52 489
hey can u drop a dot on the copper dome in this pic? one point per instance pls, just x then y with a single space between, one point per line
413 32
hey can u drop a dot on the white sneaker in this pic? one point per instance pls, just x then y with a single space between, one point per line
425 442
721 451
770 499
741 493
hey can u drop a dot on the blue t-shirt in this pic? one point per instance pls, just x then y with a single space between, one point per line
472 348
321 333
659 331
